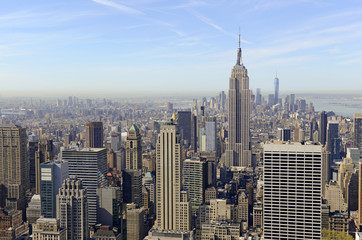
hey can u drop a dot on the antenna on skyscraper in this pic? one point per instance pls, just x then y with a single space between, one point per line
239 36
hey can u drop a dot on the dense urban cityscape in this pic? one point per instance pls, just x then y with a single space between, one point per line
240 165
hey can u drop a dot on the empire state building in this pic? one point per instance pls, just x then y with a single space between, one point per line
238 148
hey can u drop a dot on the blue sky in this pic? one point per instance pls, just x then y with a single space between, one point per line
159 46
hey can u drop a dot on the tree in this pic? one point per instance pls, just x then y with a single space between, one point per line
328 234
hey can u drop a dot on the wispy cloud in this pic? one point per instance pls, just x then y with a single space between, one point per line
206 20
118 6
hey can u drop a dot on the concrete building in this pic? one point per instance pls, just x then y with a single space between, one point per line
334 197
110 207
354 153
357 131
72 209
94 134
169 180
276 90
238 147
220 230
43 154
89 165
184 126
33 211
194 180
52 175
49 229
132 186
14 179
243 208
133 148
11 224
135 222
323 128
210 135
292 191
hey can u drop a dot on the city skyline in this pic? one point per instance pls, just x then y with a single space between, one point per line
74 46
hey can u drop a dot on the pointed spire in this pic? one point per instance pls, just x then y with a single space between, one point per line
239 61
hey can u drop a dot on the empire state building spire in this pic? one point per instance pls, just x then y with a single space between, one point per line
239 61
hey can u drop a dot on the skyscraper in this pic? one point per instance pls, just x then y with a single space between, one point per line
323 128
89 165
133 149
195 180
169 179
357 135
333 140
292 191
258 97
52 176
110 207
94 134
132 186
184 126
238 148
276 89
72 209
210 133
43 154
13 166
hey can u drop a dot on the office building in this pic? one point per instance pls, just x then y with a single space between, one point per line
210 134
132 186
43 154
135 222
220 230
323 128
110 207
258 97
14 179
354 153
33 211
184 126
333 140
238 147
335 198
292 191
195 181
169 180
49 229
276 90
284 134
94 134
243 208
357 131
133 148
89 165
52 175
11 224
72 209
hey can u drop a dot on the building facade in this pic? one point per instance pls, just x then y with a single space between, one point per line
292 191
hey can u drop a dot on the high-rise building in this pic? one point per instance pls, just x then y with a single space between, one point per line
357 134
33 148
132 186
276 89
333 140
323 128
169 180
43 154
49 229
238 147
52 175
13 167
11 224
72 209
292 191
360 194
110 207
184 126
195 180
243 208
133 149
89 165
33 211
135 222
284 134
258 96
210 133
94 134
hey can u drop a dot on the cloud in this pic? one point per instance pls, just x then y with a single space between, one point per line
206 20
118 6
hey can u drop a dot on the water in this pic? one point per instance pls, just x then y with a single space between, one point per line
341 104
